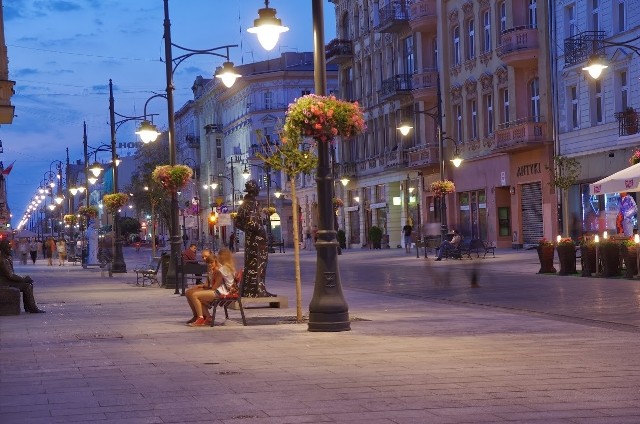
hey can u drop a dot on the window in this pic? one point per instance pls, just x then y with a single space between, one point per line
458 123
380 70
620 15
486 35
534 89
456 46
434 47
473 109
595 15
218 148
570 20
533 14
344 28
356 23
408 59
573 93
624 90
305 92
365 16
505 105
380 193
488 102
268 100
348 84
503 16
598 102
471 32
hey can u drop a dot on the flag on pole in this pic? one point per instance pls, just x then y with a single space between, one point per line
8 169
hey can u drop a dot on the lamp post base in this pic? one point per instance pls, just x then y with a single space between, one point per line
118 266
327 322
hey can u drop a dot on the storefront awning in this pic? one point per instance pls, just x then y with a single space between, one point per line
626 180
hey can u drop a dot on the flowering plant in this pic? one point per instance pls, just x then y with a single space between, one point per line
337 202
545 243
635 157
88 211
566 241
323 118
628 242
270 210
586 241
172 178
114 201
441 188
70 219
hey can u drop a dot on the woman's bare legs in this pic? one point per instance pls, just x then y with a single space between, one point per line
202 298
190 294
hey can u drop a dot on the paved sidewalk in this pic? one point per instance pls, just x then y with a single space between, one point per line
110 352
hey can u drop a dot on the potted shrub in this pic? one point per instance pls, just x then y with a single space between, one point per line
610 257
588 256
629 251
545 255
567 256
375 237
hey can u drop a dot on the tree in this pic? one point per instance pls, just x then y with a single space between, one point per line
293 159
129 225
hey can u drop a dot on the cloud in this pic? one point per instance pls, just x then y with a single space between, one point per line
24 72
57 5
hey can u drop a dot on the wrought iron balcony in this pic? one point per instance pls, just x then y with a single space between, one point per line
213 128
628 122
339 51
395 87
393 17
582 46
193 141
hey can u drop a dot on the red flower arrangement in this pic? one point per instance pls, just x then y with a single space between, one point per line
172 178
323 118
635 157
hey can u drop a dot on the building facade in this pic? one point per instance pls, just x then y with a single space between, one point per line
478 71
597 118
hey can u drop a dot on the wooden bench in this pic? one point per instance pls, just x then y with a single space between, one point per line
278 244
74 259
229 300
148 272
481 246
190 271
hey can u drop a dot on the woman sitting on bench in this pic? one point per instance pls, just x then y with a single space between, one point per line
221 283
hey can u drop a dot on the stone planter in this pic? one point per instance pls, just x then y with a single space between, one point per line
545 255
567 258
588 260
610 257
630 262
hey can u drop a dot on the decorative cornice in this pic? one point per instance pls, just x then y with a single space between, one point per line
453 17
467 9
470 87
486 82
456 93
503 75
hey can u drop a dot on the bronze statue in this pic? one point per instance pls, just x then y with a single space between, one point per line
9 278
249 220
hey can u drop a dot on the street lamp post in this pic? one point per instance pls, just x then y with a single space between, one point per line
196 194
228 77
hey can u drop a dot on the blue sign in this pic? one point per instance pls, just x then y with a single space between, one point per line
224 209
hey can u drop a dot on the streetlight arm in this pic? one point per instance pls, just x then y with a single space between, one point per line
148 100
192 52
623 44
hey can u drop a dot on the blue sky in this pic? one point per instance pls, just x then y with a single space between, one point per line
62 54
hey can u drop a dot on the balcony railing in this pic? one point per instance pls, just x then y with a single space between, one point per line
338 51
628 122
348 169
213 128
262 149
193 141
581 47
520 133
519 38
422 155
393 17
428 78
395 86
423 15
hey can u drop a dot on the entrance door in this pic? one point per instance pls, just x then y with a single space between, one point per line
532 230
354 227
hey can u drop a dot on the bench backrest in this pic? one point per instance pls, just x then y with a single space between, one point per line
193 268
155 264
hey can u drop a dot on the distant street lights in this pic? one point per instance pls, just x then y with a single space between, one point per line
228 75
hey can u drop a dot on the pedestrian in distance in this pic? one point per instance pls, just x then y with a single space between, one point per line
406 233
61 248
49 248
23 249
33 250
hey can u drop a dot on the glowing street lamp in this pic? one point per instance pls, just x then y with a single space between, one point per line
267 27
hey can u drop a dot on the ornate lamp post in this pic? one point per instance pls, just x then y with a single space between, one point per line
228 76
328 310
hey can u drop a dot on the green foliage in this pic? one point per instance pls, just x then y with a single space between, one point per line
129 225
565 172
375 234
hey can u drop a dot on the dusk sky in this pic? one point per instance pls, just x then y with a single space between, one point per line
62 54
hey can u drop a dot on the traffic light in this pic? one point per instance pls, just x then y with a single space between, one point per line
213 219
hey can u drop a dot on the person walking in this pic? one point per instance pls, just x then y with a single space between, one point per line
406 233
61 248
33 250
23 249
49 248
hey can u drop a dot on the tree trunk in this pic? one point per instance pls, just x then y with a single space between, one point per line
296 250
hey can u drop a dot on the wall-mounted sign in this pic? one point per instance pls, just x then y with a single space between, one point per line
530 169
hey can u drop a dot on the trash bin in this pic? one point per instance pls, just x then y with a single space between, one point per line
164 267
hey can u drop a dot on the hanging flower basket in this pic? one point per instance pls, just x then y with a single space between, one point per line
114 201
337 202
172 178
442 188
323 118
70 219
88 211
268 211
635 157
